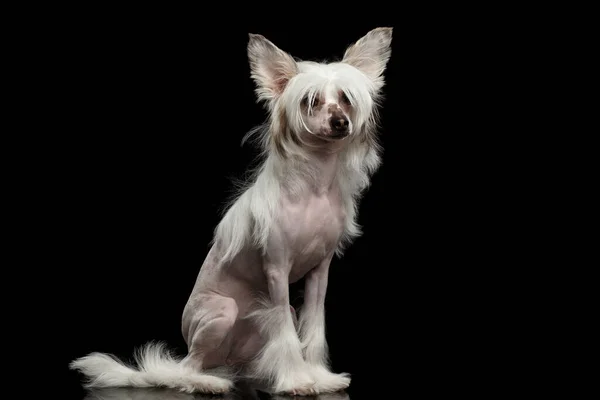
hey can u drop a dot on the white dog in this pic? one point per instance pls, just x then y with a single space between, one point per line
320 149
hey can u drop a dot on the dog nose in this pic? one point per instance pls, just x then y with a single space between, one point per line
339 123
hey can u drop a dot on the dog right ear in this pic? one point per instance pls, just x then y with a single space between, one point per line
370 54
270 67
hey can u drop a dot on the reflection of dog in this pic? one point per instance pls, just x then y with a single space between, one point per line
153 394
143 394
168 394
325 396
320 149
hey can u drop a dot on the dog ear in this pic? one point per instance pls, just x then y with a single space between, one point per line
371 53
270 67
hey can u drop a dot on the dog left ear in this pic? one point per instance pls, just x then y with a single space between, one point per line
371 53
271 68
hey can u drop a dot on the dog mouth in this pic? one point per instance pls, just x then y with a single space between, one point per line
339 135
334 135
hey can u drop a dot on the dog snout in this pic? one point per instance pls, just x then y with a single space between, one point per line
339 123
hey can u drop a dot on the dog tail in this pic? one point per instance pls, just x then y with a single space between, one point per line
156 367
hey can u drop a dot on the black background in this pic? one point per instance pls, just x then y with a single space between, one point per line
150 140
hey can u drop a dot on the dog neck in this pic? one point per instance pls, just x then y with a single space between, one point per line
314 171
324 165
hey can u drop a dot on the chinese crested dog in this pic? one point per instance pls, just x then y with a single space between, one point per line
299 210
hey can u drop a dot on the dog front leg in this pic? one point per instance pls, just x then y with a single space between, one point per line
312 331
280 361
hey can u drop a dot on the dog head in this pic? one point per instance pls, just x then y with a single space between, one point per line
323 101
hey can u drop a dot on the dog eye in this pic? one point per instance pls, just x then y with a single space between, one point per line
344 98
305 101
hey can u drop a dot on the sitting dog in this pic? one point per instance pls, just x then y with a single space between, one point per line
299 210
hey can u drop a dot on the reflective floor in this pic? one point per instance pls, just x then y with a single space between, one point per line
164 394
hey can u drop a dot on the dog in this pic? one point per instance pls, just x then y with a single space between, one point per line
319 149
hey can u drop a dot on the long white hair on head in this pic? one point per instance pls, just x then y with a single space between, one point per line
281 84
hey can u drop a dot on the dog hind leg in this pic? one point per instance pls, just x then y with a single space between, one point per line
207 323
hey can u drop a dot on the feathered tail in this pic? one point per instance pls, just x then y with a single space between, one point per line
156 367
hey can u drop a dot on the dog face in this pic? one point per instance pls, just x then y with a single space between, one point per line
329 101
325 110
327 113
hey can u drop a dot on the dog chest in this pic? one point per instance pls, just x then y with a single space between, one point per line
311 228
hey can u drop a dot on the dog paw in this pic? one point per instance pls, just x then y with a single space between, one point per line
328 382
298 385
210 385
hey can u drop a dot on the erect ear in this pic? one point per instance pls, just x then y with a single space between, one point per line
271 68
371 53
